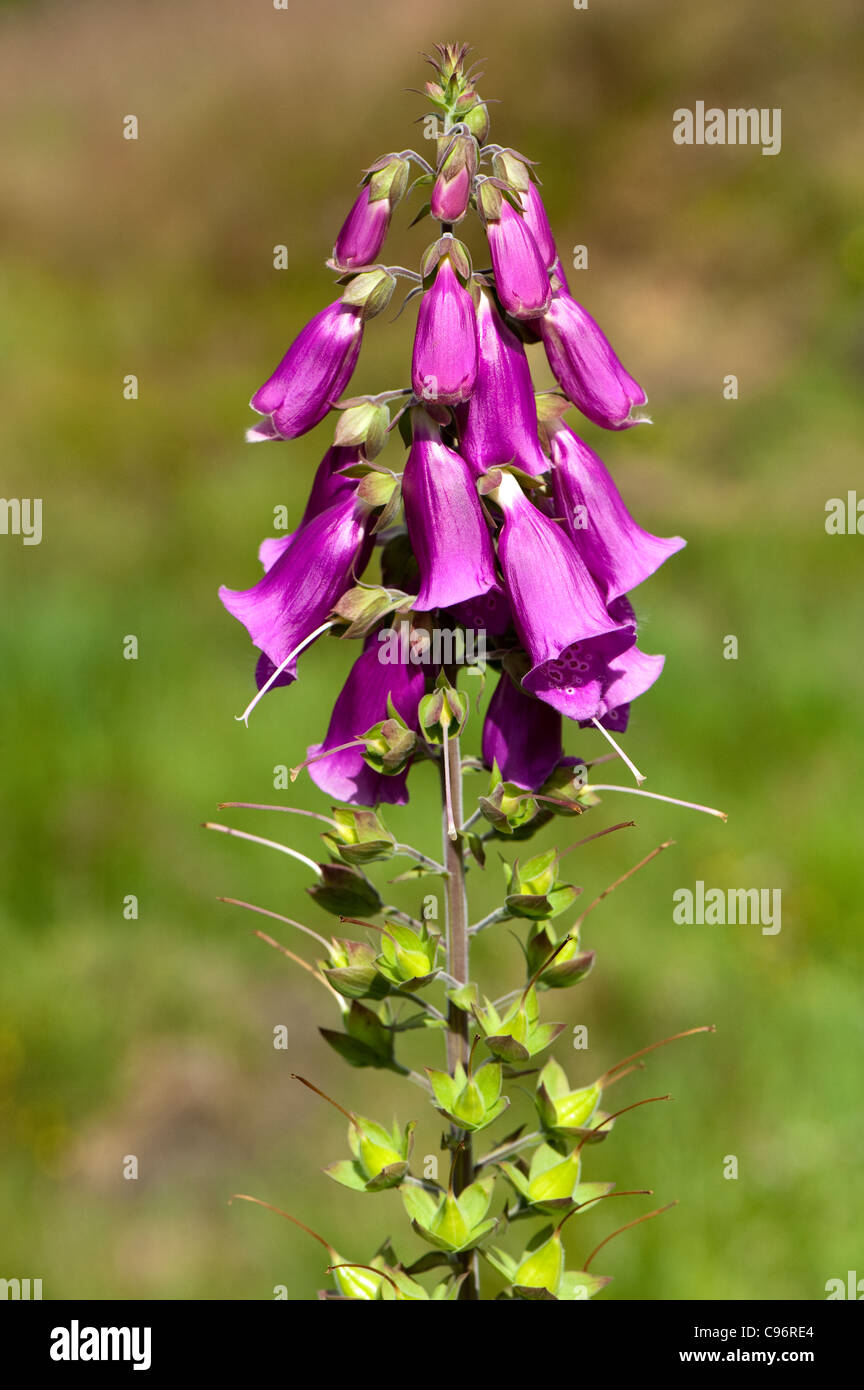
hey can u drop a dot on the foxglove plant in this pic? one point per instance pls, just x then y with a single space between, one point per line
500 523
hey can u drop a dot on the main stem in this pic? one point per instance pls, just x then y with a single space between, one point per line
457 966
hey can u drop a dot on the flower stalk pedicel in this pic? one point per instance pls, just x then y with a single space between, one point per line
495 520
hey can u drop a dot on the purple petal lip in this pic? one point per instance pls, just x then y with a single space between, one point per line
450 197
446 525
619 554
522 735
521 278
308 572
361 704
537 222
499 423
555 601
313 373
630 675
363 232
444 366
575 681
586 368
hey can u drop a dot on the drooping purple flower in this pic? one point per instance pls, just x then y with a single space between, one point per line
499 423
446 526
362 703
363 232
554 600
314 371
521 277
619 554
537 222
444 366
521 735
585 366
311 571
328 486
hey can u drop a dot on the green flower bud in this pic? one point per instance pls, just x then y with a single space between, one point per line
477 120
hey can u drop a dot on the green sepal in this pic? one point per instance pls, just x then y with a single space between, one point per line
367 1041
345 892
356 975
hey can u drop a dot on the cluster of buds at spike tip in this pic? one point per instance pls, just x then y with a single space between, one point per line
453 93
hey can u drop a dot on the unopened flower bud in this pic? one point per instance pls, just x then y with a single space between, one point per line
452 189
365 228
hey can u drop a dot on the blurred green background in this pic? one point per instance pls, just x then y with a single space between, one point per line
153 1037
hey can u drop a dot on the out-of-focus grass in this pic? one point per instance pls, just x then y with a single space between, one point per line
153 1037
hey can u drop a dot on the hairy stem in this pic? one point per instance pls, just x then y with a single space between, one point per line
457 963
